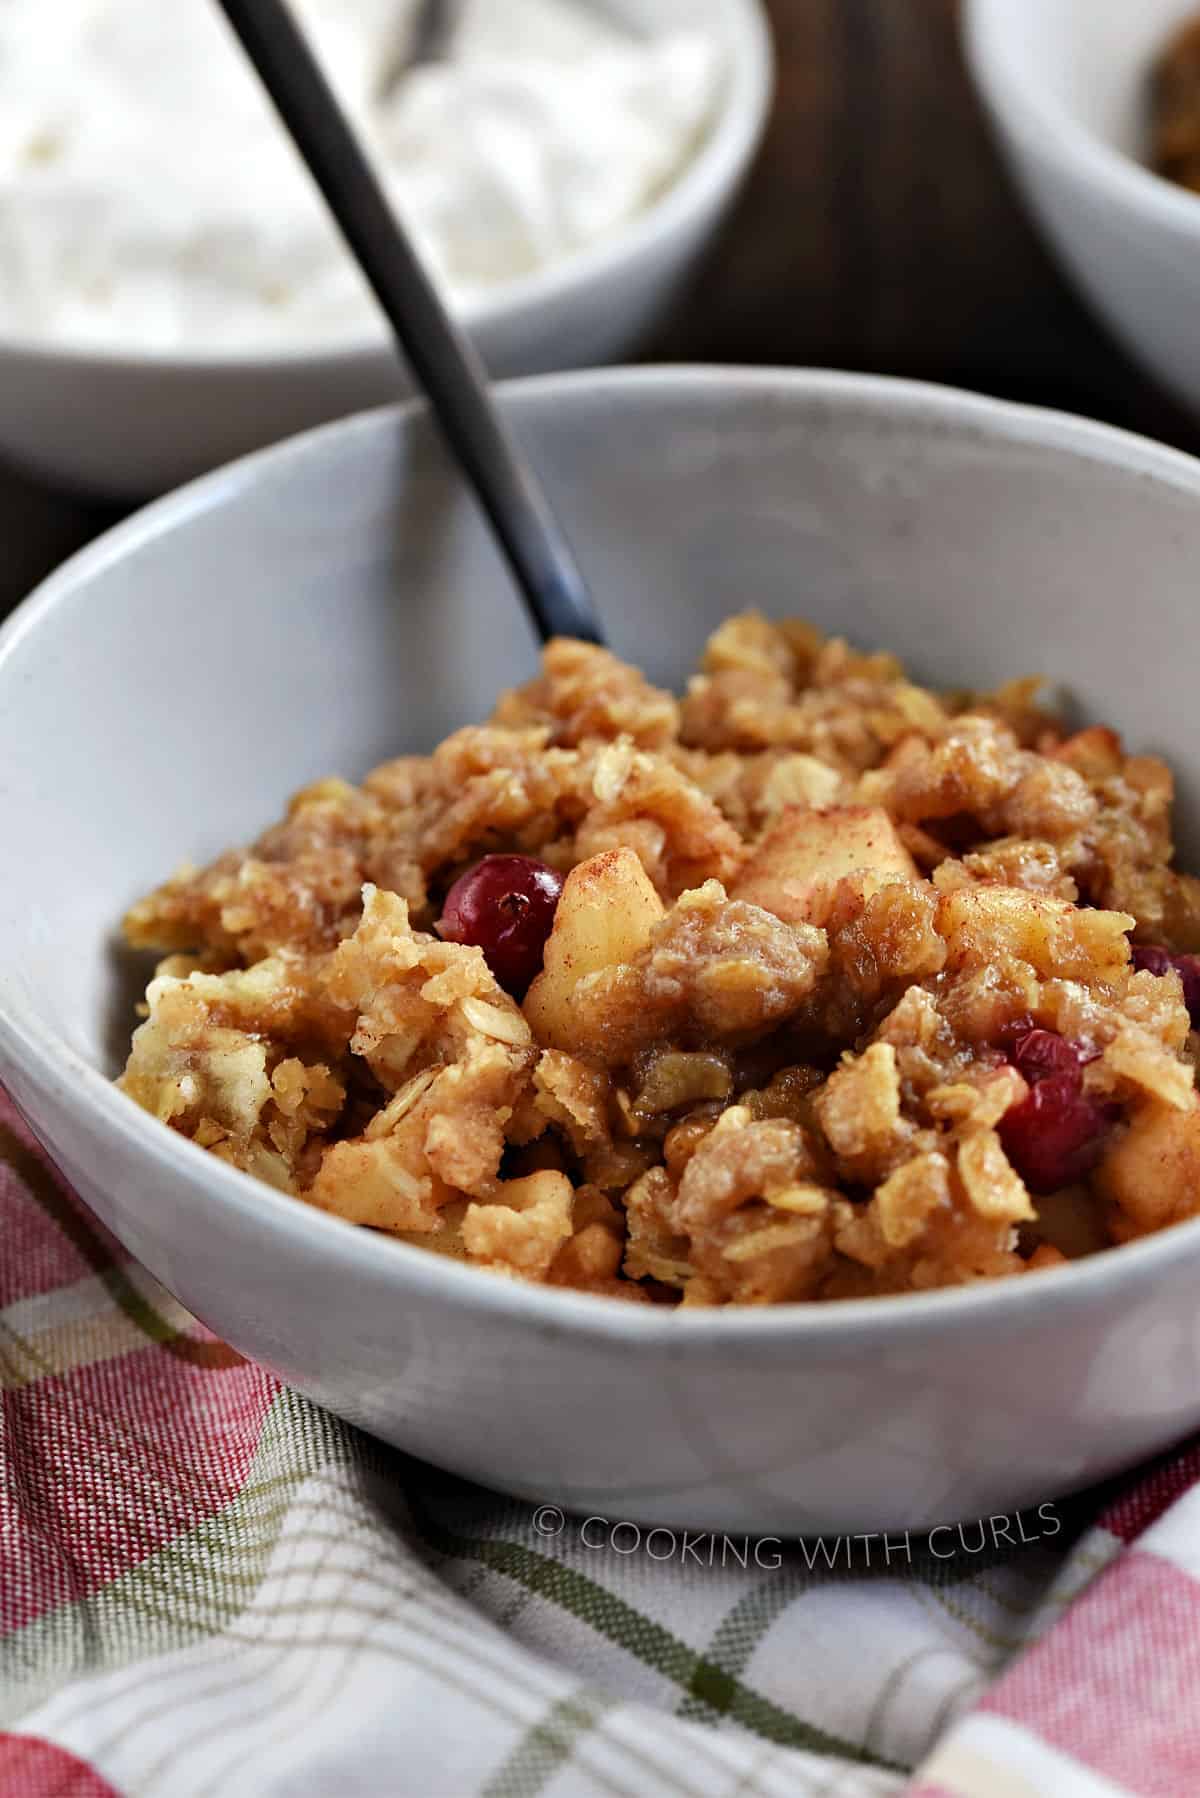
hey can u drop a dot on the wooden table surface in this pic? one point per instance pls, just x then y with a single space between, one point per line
878 232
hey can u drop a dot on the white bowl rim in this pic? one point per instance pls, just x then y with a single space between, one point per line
719 162
1058 133
349 1250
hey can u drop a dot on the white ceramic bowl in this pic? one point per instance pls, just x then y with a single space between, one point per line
336 599
1066 83
128 426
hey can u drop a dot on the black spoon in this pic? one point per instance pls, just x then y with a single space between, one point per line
439 353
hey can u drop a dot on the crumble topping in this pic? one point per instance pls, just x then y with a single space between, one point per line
852 987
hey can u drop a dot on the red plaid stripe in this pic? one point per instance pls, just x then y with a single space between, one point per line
1116 1683
37 1256
104 1465
32 1768
1153 1492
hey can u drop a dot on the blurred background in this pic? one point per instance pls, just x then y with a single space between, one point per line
878 231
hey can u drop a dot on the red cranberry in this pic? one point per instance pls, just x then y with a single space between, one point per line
1152 958
1040 1054
1055 1135
1188 969
505 906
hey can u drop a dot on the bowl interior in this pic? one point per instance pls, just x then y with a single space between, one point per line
338 599
1091 59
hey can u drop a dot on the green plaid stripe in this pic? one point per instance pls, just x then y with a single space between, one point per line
547 1747
700 1679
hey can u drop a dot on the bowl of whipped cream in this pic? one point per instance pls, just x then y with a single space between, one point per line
173 293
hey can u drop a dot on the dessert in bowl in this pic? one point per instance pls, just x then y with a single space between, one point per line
336 601
814 984
1175 107
1074 89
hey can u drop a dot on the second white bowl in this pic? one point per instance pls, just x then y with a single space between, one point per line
1066 83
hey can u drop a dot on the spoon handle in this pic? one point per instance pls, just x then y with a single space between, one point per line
440 355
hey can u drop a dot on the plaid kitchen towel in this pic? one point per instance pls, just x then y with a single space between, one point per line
208 1586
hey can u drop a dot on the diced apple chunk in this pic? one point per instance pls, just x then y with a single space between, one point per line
980 924
1151 1171
606 914
805 853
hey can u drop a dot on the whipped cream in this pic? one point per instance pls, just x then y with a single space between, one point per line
150 200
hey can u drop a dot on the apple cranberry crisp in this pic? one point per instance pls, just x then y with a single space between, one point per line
1176 108
813 985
